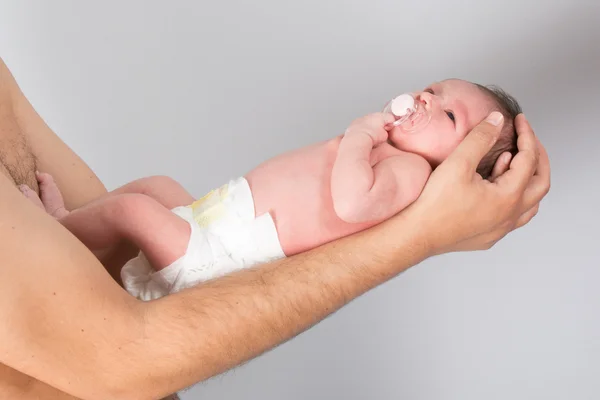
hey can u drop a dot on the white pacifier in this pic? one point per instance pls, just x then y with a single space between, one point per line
411 114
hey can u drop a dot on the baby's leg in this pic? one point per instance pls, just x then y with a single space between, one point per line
159 233
30 194
163 189
51 196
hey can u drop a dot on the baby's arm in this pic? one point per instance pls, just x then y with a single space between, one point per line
365 189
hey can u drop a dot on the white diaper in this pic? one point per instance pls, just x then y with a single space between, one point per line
225 237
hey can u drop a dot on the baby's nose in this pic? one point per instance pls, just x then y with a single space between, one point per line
427 99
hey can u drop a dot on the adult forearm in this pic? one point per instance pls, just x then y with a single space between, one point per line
203 331
15 385
77 331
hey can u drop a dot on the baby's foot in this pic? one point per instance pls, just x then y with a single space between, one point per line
32 195
51 197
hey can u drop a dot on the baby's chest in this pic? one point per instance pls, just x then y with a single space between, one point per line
383 151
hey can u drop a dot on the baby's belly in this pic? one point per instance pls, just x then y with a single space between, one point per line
295 188
305 228
303 213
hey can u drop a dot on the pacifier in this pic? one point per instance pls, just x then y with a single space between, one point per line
410 113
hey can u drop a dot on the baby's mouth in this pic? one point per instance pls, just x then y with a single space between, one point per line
415 117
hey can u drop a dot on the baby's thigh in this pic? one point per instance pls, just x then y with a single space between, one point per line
161 234
163 189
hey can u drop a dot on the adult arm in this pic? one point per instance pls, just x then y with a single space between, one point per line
77 182
79 186
15 385
117 347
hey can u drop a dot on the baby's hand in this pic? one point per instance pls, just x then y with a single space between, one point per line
372 125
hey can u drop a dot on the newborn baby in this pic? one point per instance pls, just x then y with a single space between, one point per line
290 203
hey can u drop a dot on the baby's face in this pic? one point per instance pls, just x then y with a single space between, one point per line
456 107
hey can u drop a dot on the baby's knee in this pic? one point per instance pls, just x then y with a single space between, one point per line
130 206
158 182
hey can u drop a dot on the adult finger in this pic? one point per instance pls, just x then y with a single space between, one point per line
501 166
539 185
527 216
478 142
525 163
543 167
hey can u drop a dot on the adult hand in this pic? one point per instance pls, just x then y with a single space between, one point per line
460 211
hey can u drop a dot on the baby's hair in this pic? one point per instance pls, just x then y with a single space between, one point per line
507 142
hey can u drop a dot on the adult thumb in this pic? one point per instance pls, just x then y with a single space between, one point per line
478 142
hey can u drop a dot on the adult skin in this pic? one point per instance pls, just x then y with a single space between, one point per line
78 331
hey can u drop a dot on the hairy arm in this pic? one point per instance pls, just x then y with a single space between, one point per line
120 348
77 182
370 180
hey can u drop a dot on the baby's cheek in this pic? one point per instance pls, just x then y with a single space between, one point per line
446 146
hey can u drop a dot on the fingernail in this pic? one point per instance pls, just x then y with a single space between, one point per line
495 118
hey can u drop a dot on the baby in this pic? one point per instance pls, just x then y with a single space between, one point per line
290 203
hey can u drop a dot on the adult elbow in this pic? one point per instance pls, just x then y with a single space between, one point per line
127 387
127 391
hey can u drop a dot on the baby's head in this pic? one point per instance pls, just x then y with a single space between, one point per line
456 107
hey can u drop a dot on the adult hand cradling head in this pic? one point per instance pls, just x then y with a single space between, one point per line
458 210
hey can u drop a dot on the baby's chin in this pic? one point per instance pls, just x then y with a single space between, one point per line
398 138
406 142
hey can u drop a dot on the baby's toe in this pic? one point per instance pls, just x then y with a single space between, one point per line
31 195
44 178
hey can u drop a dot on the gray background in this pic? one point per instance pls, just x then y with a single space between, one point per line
203 91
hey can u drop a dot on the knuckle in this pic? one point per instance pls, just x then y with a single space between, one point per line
369 118
546 189
512 199
361 123
462 165
376 119
531 214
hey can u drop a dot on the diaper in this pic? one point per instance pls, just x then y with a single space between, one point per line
225 236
